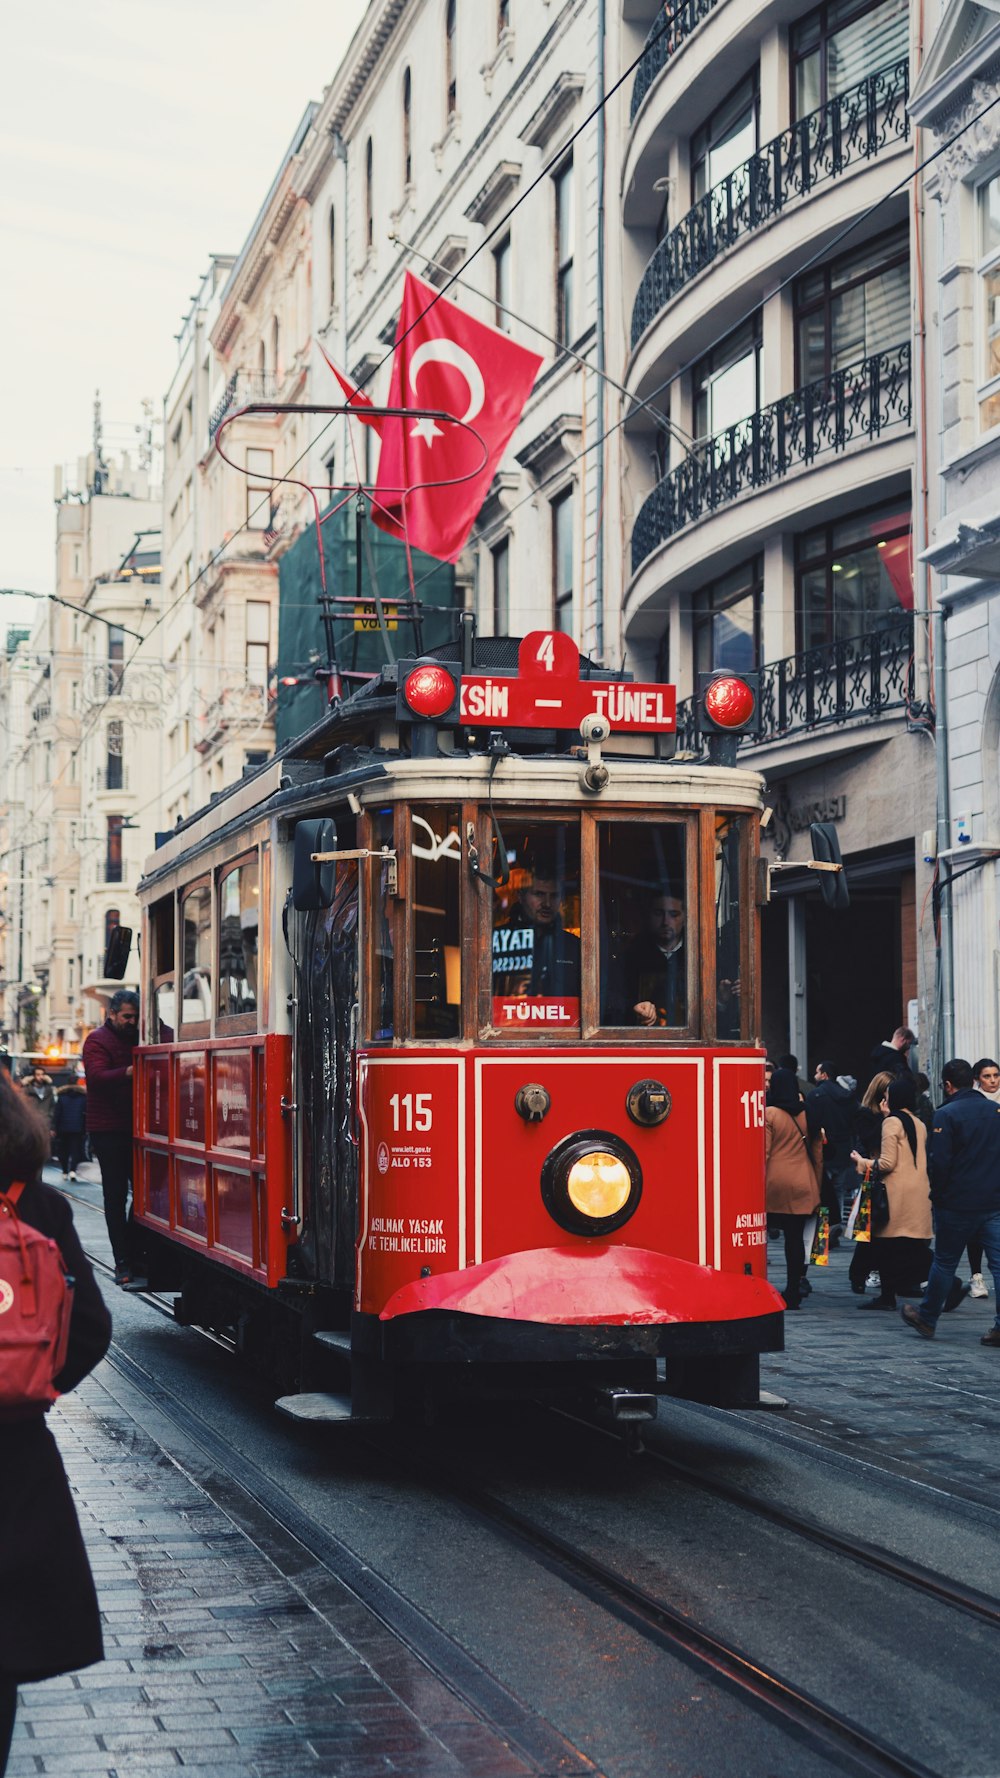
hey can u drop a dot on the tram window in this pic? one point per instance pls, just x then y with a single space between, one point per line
536 929
729 831
196 986
238 926
436 848
383 1019
645 945
163 1012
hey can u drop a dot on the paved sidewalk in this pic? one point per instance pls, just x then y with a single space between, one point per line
215 1661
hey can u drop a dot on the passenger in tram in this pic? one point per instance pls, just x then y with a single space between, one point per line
49 1618
656 964
533 954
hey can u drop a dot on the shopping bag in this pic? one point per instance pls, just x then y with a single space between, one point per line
820 1255
859 1223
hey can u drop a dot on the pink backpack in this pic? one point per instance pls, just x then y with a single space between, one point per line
36 1302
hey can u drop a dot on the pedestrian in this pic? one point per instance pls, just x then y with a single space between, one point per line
792 1176
70 1123
107 1059
869 1144
37 1086
986 1078
925 1104
899 1249
792 1064
49 1619
892 1055
833 1103
965 1192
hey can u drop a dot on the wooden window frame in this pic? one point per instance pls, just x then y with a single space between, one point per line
234 1024
197 1027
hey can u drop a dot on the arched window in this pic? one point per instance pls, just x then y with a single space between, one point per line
450 65
262 360
333 257
503 17
275 347
407 140
369 200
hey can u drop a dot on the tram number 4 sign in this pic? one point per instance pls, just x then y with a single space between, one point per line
549 693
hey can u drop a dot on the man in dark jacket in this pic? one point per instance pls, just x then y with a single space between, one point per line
834 1106
107 1059
39 1089
964 1165
892 1055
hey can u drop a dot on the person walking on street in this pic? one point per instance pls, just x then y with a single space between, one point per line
794 1163
892 1055
834 1105
70 1125
900 1247
868 1127
965 1192
107 1059
39 1089
49 1617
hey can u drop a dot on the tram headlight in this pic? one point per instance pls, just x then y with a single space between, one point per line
591 1183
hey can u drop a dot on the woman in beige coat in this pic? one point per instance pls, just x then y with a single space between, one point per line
899 1249
794 1166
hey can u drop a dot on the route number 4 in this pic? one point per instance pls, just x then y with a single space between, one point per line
546 656
753 1109
412 1111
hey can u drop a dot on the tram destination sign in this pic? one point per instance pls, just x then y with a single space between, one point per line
549 693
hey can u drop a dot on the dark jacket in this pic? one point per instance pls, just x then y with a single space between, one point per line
652 975
106 1056
49 1619
535 960
836 1110
887 1059
71 1111
964 1155
42 1095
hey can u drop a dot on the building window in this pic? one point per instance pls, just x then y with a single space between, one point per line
276 348
114 765
70 977
260 486
726 621
450 67
333 255
853 577
563 187
503 17
113 850
369 199
563 578
853 308
258 642
726 139
112 920
71 904
407 131
116 659
988 369
836 46
727 381
500 563
501 284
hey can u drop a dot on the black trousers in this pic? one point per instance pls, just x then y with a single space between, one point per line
8 1709
112 1149
69 1149
793 1229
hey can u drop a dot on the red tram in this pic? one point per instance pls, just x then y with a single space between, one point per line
449 1076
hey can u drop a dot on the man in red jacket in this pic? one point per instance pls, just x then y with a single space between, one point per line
107 1060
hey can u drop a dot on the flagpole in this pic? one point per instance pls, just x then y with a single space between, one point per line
566 351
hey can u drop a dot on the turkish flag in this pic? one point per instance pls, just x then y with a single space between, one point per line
432 479
356 398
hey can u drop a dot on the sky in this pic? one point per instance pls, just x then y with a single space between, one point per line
136 138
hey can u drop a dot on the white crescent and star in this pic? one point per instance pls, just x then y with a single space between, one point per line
446 352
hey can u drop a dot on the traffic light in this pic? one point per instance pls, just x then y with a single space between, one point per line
826 850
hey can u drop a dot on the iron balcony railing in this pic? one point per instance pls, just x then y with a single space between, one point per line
666 34
859 402
849 129
858 679
243 386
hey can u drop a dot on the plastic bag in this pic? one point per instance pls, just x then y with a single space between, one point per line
820 1255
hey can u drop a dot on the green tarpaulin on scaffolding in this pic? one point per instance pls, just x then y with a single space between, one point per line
301 639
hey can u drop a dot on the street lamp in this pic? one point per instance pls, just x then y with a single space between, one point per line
21 592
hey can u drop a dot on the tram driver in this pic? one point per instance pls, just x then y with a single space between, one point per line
533 954
656 963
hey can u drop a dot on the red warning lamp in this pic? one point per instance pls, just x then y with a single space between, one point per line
728 703
429 691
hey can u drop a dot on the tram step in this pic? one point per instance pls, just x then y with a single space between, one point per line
337 1339
320 1408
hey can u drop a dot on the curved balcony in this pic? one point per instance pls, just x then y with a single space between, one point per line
859 679
666 35
862 401
848 130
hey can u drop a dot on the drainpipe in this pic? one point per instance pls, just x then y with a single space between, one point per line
946 967
601 408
